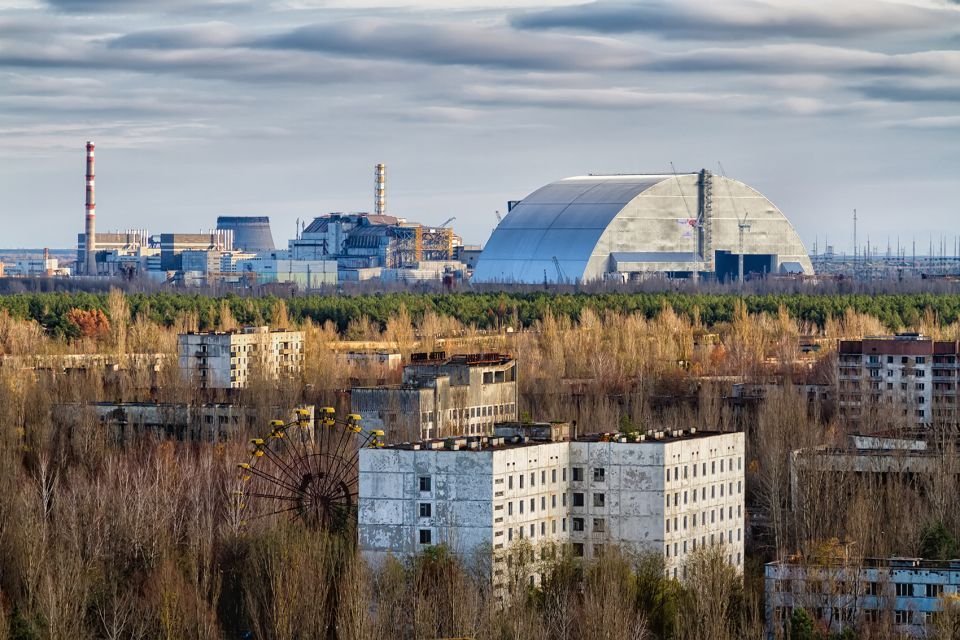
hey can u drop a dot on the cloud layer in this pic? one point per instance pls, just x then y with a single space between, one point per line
482 99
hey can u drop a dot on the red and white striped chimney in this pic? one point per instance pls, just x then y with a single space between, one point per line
90 240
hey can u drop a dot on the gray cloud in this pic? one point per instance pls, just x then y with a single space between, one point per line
126 7
910 90
200 36
694 19
453 44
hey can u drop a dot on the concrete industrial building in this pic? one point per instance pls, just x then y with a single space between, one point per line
907 378
250 233
361 241
667 492
626 227
230 360
903 595
441 396
172 245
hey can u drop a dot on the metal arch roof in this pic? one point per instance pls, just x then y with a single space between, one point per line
562 220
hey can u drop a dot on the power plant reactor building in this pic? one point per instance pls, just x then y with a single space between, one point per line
250 233
595 227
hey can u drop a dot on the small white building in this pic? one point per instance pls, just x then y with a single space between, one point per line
667 492
229 360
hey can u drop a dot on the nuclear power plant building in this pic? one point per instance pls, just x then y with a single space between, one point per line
624 227
250 233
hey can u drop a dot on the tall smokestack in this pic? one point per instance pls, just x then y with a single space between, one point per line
380 190
90 246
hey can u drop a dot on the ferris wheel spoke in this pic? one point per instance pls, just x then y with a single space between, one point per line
269 478
278 512
284 468
273 496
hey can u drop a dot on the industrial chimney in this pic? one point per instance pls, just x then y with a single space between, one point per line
380 190
90 244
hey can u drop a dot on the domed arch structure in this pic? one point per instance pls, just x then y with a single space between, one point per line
588 228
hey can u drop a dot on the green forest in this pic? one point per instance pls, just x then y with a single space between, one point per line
483 310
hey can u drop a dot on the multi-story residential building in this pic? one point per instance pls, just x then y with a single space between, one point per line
229 360
442 396
908 378
666 492
900 594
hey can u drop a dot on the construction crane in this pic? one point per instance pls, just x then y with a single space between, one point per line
741 227
696 223
560 275
448 221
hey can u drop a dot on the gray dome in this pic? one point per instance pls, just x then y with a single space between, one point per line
592 226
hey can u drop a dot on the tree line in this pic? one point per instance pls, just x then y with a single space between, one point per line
482 310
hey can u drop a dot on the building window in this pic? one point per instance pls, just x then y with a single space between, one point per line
543 477
563 474
553 476
578 524
425 509
533 505
425 484
426 536
903 617
533 479
578 499
598 474
934 590
553 501
510 533
599 499
521 481
520 502
509 482
509 508
578 474
578 549
904 589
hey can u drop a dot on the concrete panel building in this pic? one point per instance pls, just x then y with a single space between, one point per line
442 396
209 422
669 492
903 595
624 227
908 378
229 360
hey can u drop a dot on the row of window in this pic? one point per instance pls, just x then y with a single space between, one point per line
703 493
680 548
900 616
725 466
677 521
870 588
875 359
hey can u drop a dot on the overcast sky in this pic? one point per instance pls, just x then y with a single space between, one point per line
281 108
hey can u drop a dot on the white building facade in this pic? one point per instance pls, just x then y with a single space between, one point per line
229 360
488 494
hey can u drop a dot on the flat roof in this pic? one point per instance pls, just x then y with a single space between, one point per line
494 443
